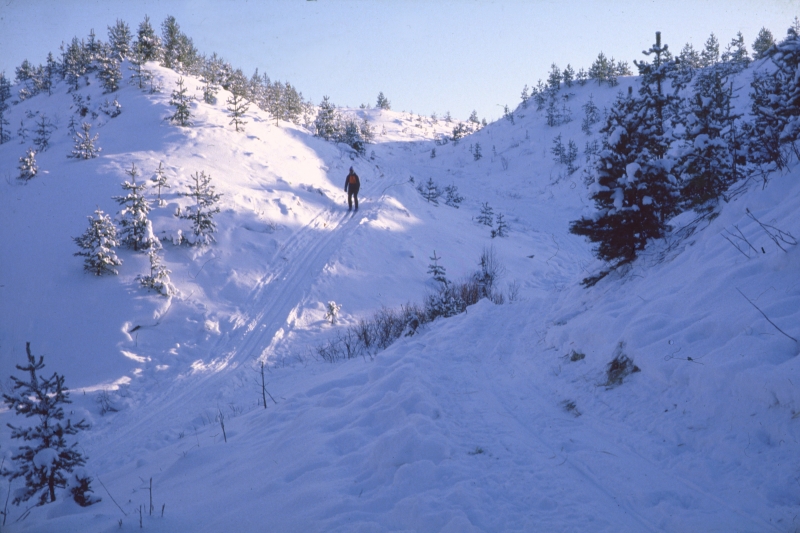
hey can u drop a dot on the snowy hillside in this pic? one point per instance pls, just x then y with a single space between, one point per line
498 419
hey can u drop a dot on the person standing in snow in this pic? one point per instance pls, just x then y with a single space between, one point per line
351 186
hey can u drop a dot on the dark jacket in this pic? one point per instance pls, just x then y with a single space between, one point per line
350 185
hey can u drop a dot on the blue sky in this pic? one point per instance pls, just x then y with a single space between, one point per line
424 55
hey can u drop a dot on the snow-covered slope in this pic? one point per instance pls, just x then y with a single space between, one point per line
480 422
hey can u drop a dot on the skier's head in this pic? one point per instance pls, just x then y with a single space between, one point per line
351 170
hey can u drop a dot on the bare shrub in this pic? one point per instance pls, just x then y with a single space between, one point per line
620 367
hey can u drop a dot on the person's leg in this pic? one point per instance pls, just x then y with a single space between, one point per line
350 201
355 197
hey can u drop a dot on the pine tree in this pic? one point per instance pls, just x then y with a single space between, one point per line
525 97
202 212
452 198
159 180
180 99
591 115
46 456
430 191
473 117
327 119
600 69
710 54
85 144
709 165
98 245
690 57
27 165
74 63
135 231
170 42
764 41
582 77
92 49
487 215
558 150
568 75
147 43
237 107
110 73
508 114
476 153
119 39
634 193
502 228
158 279
736 55
570 156
554 79
5 95
383 102
437 271
44 128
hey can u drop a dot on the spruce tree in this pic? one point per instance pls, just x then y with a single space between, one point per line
135 230
437 271
5 96
180 99
591 115
502 228
119 39
764 41
202 212
48 453
430 191
327 118
27 165
735 55
452 198
73 62
568 75
487 215
110 74
476 153
237 107
85 144
98 245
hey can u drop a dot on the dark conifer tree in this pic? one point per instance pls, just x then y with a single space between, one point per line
5 96
47 455
591 115
44 128
736 55
180 99
568 75
119 39
136 231
437 271
763 42
237 107
327 119
383 102
554 79
147 43
710 54
73 61
202 212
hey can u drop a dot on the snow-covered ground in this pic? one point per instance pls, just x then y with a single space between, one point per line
486 421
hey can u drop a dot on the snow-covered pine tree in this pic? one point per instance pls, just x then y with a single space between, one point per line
135 229
570 156
109 73
119 39
776 106
430 191
48 453
352 136
383 102
508 114
735 55
558 149
181 101
525 97
600 70
763 42
591 115
473 117
27 165
98 245
5 95
452 198
158 279
437 271
112 109
147 43
712 142
327 120
85 144
92 49
582 77
487 215
202 212
178 51
554 78
553 113
237 107
159 180
634 192
502 228
568 75
710 54
44 128
73 61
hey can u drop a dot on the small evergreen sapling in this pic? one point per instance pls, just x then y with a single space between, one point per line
180 99
502 228
452 198
85 147
202 212
237 107
159 180
332 311
98 245
476 152
136 231
383 102
487 215
47 456
437 271
158 279
430 191
27 165
44 128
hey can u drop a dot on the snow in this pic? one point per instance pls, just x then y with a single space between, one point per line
479 422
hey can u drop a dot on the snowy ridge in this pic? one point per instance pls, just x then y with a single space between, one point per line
480 422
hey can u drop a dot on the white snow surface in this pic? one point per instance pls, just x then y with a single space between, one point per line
479 422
